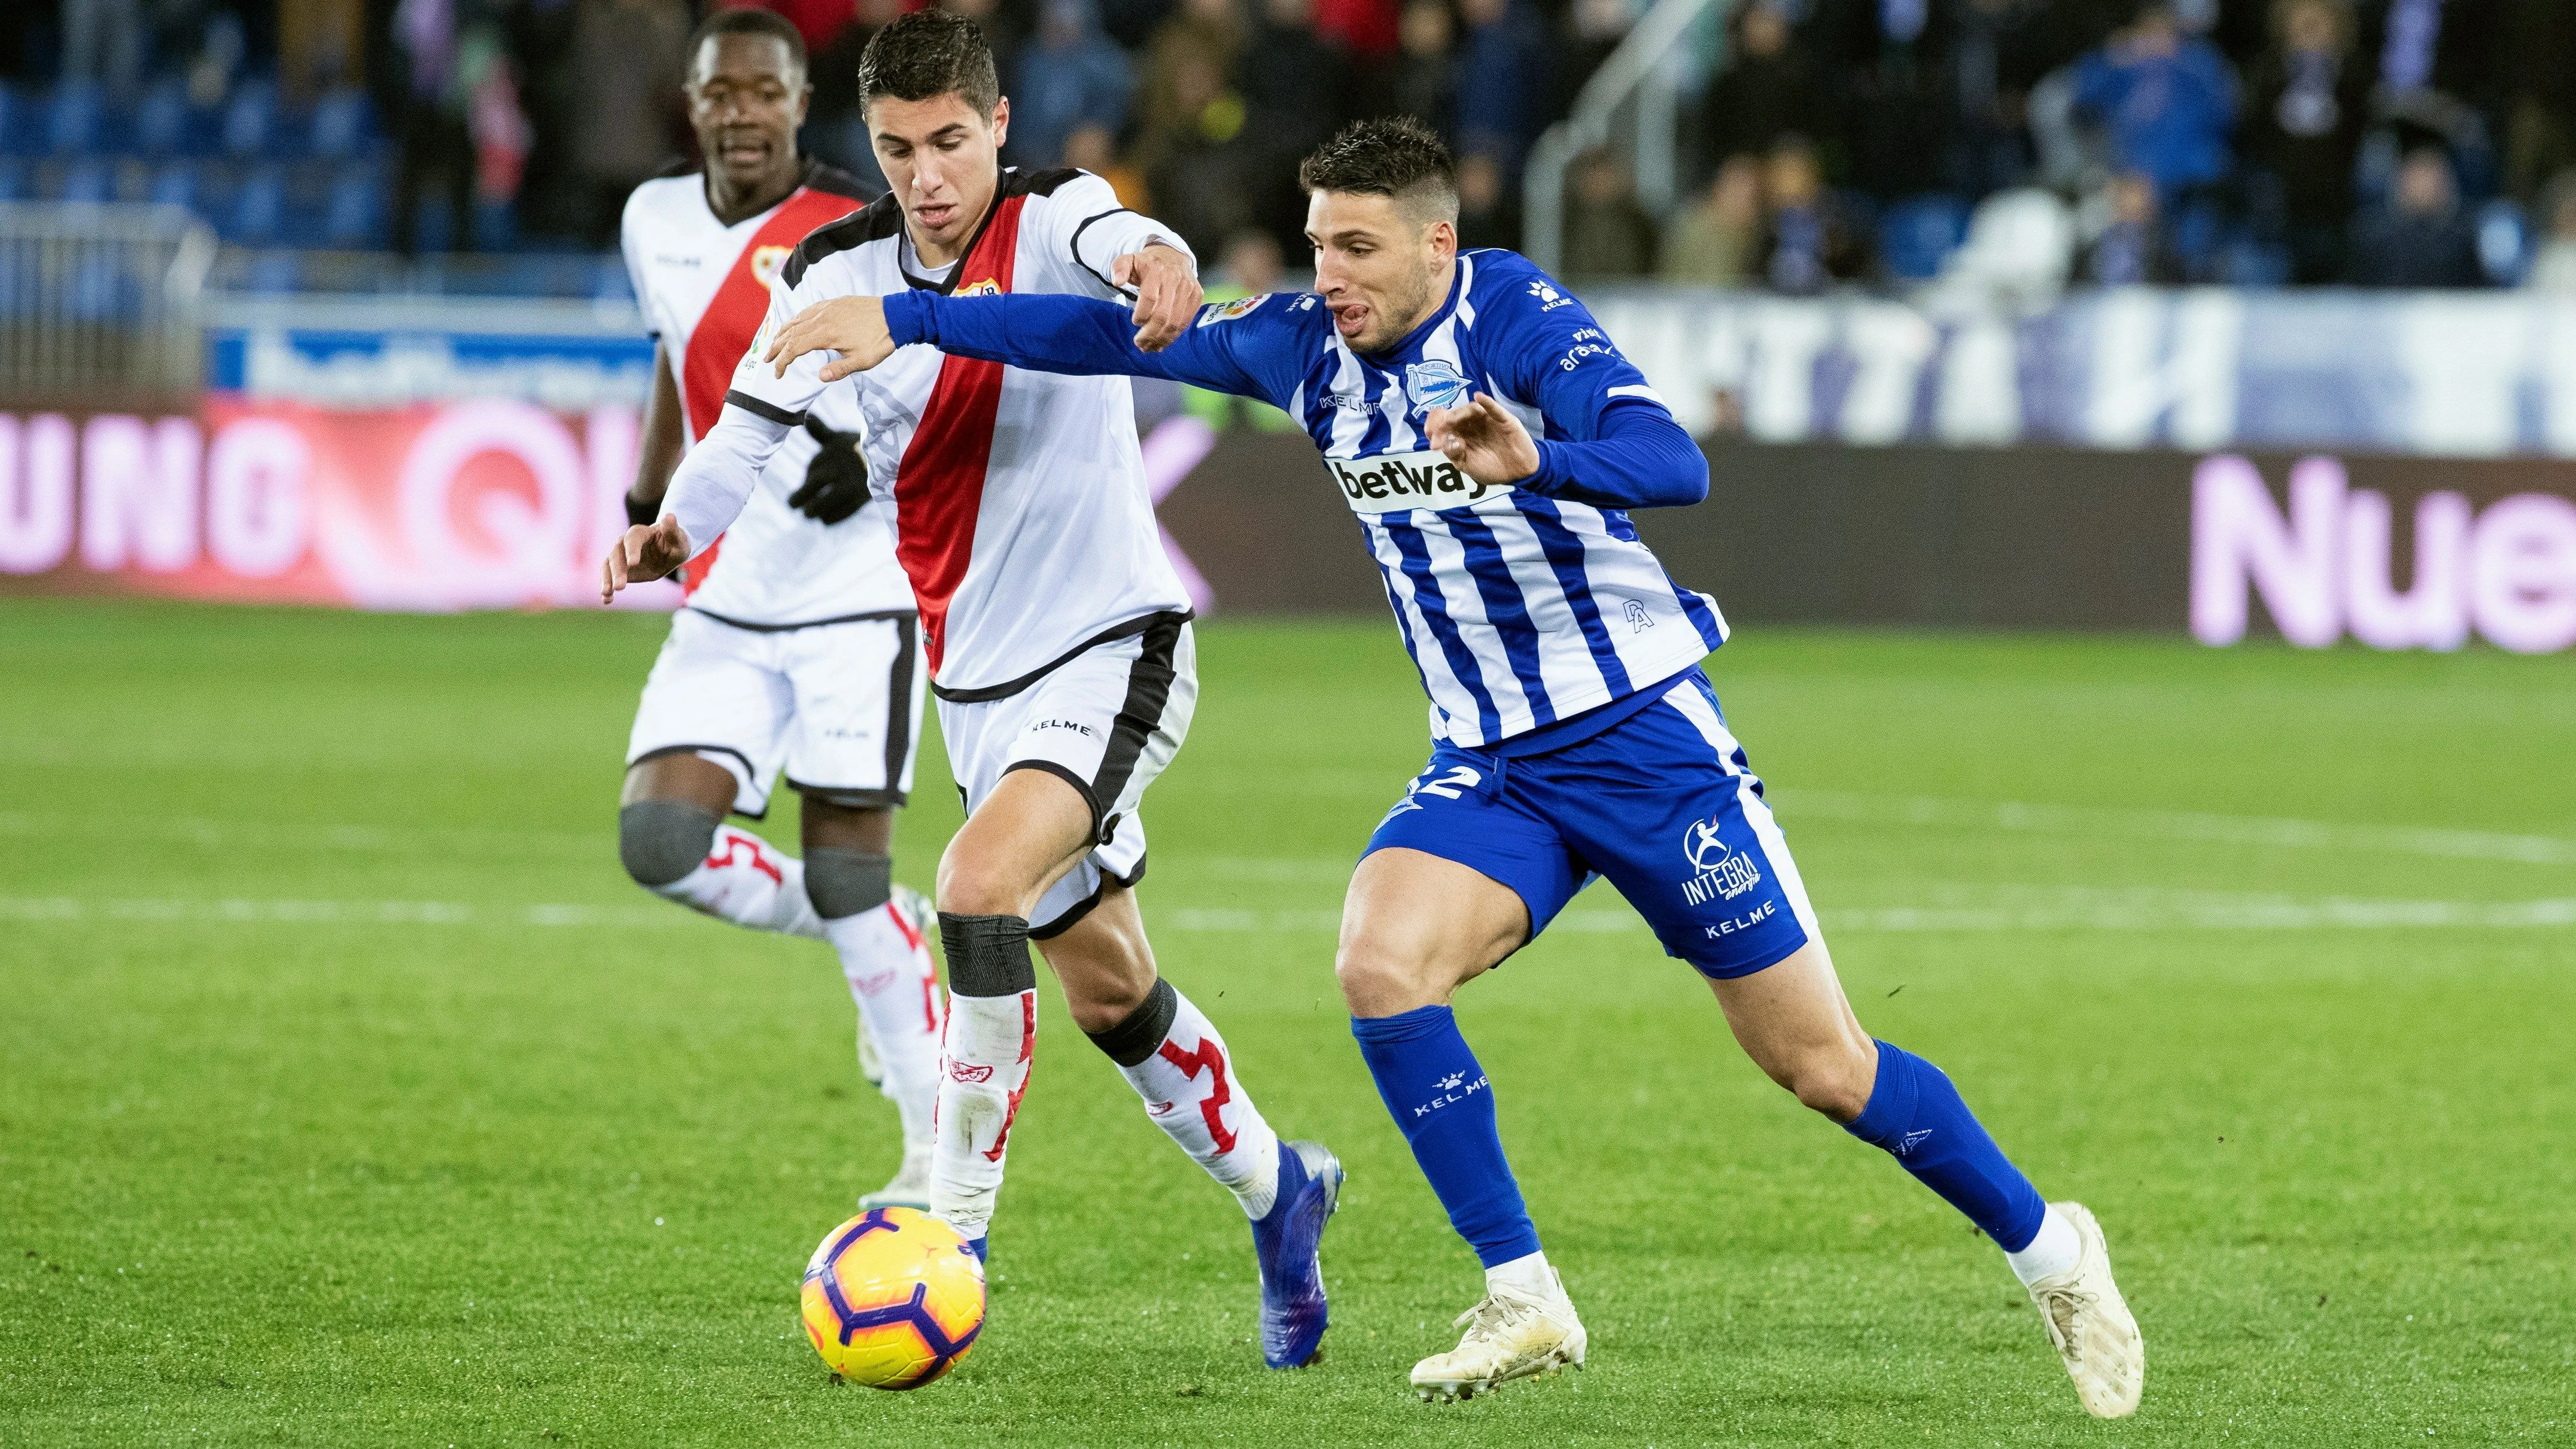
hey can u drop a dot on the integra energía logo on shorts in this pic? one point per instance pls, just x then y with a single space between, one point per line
1718 871
1394 482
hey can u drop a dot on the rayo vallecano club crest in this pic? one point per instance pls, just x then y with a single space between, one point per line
1435 383
765 262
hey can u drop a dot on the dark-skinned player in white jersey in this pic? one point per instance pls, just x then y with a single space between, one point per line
812 677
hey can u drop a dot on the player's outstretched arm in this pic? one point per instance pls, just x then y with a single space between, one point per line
1067 334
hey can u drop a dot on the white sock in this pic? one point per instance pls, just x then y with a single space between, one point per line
1191 1092
892 978
750 882
983 1071
2056 1250
1526 1277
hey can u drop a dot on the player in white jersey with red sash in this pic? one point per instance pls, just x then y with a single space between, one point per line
1057 632
797 648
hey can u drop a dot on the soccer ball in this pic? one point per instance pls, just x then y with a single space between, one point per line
893 1299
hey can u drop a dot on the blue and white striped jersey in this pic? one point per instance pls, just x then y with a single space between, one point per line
1521 605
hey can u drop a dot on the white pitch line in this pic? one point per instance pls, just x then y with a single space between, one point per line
2068 910
2263 831
241 912
2256 830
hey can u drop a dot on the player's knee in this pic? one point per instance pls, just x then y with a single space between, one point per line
661 841
971 887
842 883
1835 1080
1379 977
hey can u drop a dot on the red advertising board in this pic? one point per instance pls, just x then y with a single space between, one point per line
483 503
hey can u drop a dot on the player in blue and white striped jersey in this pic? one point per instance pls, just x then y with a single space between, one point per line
1490 439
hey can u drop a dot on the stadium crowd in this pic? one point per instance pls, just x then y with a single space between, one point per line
1827 143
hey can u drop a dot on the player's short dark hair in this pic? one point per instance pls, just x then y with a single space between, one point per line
1394 156
931 53
750 22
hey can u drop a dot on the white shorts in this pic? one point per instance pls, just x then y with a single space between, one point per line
1106 721
836 705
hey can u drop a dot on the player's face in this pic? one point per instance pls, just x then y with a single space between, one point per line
1377 266
942 158
747 96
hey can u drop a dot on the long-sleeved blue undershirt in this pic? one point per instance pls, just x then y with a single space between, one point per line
1626 452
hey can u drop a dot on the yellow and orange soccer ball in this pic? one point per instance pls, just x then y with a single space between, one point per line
893 1299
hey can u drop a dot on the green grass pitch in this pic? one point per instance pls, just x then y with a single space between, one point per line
349 1094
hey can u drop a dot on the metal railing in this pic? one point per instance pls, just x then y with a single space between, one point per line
101 300
1639 84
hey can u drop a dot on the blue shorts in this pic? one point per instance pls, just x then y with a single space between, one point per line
1661 804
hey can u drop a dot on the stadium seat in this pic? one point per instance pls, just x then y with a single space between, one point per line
341 126
355 215
496 226
250 122
86 180
13 179
72 120
160 124
1918 233
175 184
257 209
2504 242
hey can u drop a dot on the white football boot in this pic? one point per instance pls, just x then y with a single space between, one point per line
910 1186
2091 1325
1509 1336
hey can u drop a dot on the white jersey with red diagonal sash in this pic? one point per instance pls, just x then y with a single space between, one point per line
1021 511
705 288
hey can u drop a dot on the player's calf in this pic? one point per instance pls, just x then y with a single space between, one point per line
682 851
990 1040
885 958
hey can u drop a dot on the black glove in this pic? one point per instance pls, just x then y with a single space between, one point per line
640 513
836 482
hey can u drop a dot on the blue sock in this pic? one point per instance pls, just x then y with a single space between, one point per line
1438 1096
1918 1117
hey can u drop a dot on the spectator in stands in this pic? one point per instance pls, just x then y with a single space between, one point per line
2168 99
1715 240
2419 239
1607 234
1092 148
632 56
1073 76
1004 30
1366 31
437 150
2133 251
103 44
1766 91
1488 208
1209 29
1502 80
2553 265
1588 30
1811 241
2310 103
1194 158
1292 95
1990 68
1712 243
2539 65
1425 83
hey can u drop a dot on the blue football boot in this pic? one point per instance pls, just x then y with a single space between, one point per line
1293 1316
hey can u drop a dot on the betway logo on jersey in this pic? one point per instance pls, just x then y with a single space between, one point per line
1394 482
